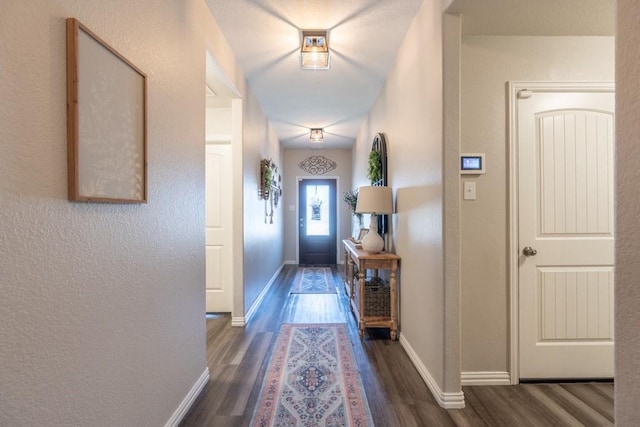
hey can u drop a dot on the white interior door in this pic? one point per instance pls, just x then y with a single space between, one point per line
219 273
566 232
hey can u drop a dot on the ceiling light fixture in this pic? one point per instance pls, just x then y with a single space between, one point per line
316 135
314 53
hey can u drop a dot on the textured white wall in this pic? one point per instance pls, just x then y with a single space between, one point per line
218 124
487 64
343 170
627 213
452 34
102 304
409 111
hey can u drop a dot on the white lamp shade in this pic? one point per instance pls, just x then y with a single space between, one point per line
376 200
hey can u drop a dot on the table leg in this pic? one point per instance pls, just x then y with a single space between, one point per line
349 278
361 273
345 269
394 323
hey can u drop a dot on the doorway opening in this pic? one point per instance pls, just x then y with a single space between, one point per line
223 132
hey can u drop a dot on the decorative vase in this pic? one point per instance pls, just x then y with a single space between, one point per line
372 241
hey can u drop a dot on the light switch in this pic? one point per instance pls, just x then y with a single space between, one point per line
469 190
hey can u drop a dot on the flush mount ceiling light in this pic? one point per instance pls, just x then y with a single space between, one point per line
316 135
314 53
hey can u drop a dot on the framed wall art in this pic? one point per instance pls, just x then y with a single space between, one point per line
106 122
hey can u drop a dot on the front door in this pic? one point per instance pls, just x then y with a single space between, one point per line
317 221
566 233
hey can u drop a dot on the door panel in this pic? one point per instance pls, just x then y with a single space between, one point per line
576 303
565 213
218 204
317 221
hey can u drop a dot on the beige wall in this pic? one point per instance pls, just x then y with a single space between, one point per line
627 295
102 320
409 111
255 140
290 190
98 299
262 241
488 63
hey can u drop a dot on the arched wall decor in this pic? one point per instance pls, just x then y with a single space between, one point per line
317 165
380 145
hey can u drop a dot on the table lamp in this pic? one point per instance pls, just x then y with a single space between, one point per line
374 200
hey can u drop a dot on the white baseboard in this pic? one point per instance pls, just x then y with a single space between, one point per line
340 261
243 320
186 403
239 321
485 378
446 400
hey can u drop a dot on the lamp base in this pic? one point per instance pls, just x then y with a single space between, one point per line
372 241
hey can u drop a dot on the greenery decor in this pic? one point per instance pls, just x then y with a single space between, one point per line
266 175
374 172
351 199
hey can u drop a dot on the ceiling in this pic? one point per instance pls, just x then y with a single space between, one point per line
536 17
364 36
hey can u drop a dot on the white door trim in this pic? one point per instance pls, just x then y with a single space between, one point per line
514 247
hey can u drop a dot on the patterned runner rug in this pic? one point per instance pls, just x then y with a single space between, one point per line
312 380
313 280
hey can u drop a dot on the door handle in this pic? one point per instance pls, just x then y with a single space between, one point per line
529 251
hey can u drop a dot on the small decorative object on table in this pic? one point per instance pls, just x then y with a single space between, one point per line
374 201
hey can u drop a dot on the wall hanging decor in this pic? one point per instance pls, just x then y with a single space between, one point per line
374 166
317 165
377 161
270 188
106 122
377 172
266 178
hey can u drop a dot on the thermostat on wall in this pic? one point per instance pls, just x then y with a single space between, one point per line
472 163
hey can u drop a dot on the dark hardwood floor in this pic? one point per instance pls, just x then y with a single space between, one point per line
397 395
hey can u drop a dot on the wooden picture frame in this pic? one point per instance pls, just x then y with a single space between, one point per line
363 232
106 122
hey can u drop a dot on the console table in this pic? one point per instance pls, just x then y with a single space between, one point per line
356 289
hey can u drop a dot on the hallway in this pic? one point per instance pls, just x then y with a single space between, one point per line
397 395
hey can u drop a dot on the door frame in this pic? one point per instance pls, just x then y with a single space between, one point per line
514 88
338 210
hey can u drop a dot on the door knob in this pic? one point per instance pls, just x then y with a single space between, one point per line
529 251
